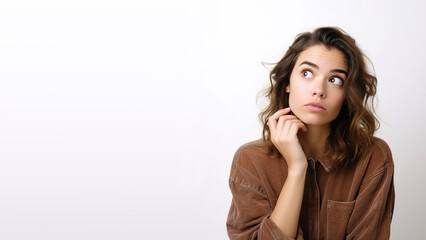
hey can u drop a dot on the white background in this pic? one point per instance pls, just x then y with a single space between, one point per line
120 119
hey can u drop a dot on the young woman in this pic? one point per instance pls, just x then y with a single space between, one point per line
318 172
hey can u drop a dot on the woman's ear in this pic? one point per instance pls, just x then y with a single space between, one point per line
287 89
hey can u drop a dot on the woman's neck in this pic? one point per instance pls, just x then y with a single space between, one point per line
314 140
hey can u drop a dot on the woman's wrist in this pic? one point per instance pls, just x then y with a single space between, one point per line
298 169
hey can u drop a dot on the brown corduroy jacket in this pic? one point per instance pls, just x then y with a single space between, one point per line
355 202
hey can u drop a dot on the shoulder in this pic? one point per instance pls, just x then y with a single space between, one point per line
381 153
256 147
250 159
248 152
378 160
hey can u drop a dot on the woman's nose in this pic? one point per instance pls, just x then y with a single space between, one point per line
319 89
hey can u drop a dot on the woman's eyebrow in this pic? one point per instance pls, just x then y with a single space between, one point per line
316 67
310 64
340 71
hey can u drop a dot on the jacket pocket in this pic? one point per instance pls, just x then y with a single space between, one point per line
338 214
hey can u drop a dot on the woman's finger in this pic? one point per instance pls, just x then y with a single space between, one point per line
279 128
280 112
272 120
281 122
287 133
282 127
295 127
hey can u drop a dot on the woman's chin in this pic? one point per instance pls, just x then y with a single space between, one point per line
309 118
314 121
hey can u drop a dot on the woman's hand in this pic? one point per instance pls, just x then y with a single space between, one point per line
284 129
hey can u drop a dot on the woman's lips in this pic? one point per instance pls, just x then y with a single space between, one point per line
316 107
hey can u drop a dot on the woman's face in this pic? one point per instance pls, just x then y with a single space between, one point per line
316 86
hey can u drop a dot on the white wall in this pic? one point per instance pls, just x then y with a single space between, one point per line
119 119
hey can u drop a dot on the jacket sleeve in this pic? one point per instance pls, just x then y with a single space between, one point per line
372 214
248 217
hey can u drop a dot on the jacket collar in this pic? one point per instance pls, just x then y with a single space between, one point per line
324 161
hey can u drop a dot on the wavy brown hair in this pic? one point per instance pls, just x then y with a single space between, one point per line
353 129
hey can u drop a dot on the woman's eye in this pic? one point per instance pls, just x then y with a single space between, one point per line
336 81
307 74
